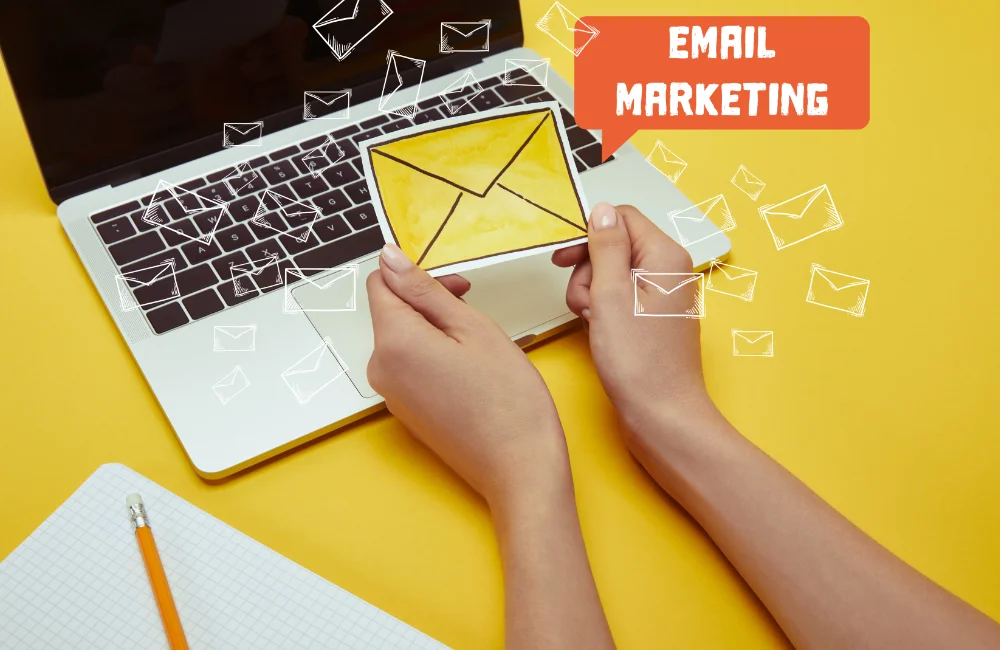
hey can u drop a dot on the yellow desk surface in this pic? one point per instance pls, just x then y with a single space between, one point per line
890 417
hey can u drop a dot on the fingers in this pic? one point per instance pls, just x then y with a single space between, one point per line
456 284
609 246
571 256
578 291
652 249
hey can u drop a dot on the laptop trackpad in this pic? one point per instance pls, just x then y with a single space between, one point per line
520 296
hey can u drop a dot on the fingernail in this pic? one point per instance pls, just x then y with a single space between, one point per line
586 314
395 259
604 216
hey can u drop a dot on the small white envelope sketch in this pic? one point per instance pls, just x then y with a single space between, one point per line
753 343
264 273
801 217
460 92
538 69
339 286
561 24
130 286
465 37
241 176
350 22
314 372
234 338
698 222
242 134
838 291
156 213
666 162
231 385
732 280
747 183
396 98
296 213
322 156
655 294
326 104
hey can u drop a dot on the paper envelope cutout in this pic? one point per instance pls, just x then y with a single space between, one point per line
678 295
747 183
473 190
157 213
231 385
349 22
263 274
323 156
242 134
666 162
314 372
148 286
702 220
838 291
465 37
752 343
399 93
326 105
461 92
299 216
338 286
732 280
538 69
562 24
801 217
234 338
240 178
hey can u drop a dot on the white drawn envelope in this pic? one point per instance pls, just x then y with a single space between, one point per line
732 280
234 338
465 37
702 220
398 98
323 156
747 183
231 385
838 291
129 284
264 273
538 69
242 134
660 294
561 24
326 104
349 22
314 372
801 217
240 178
296 213
157 214
753 343
339 286
460 92
666 162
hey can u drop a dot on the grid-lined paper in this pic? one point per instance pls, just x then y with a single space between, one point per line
78 582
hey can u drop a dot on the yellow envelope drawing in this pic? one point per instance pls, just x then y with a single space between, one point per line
677 295
563 25
732 280
242 134
753 343
349 22
838 291
526 72
465 37
234 338
747 183
326 104
314 372
231 385
337 286
702 220
666 162
801 217
148 286
478 190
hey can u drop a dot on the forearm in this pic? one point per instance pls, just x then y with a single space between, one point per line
827 583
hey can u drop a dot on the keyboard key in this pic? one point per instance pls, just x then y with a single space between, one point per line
375 121
358 192
365 135
312 143
215 177
331 228
344 132
117 230
341 251
174 238
308 186
580 167
203 304
222 265
189 202
269 285
192 185
116 211
234 238
213 220
461 109
267 225
356 163
591 155
397 126
197 252
156 260
332 202
299 240
152 295
263 250
258 162
348 148
217 193
137 248
567 118
166 318
428 115
486 100
195 279
361 216
139 223
228 293
340 175
491 81
146 199
430 101
244 209
578 138
514 93
284 153
279 172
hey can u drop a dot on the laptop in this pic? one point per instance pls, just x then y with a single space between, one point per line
202 107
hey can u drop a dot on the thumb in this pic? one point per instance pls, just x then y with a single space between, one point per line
424 294
609 246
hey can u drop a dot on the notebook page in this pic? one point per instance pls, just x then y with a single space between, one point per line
78 581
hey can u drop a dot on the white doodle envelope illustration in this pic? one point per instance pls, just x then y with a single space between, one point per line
838 291
664 294
314 372
753 343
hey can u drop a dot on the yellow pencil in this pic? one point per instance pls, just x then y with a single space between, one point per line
157 576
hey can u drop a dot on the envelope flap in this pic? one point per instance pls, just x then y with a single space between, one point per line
667 283
311 362
343 10
466 29
733 272
328 98
839 281
750 178
468 156
242 128
528 65
668 156
234 331
796 206
752 337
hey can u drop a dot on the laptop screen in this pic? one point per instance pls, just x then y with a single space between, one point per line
104 85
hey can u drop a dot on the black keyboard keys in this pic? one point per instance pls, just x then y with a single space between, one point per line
166 318
361 217
234 238
308 186
340 175
278 172
116 211
197 252
117 230
203 304
331 228
358 192
332 202
341 251
137 248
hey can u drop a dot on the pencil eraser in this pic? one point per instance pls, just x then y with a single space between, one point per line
133 499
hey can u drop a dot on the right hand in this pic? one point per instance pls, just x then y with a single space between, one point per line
650 367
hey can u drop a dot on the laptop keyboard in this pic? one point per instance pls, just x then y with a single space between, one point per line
346 229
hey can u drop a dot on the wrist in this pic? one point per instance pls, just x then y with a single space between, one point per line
538 483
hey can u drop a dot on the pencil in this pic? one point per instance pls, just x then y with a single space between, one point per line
157 576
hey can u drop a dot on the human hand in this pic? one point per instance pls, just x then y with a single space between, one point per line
460 385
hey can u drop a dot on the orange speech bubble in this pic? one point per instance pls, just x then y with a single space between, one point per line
737 72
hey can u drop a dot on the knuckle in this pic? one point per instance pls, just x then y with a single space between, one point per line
422 288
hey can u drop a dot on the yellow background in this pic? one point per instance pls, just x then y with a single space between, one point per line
891 417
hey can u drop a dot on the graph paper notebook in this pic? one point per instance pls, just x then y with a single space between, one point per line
78 582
